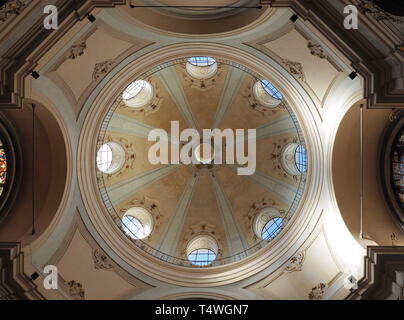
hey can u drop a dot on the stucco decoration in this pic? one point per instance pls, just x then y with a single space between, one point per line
101 260
317 292
11 8
316 50
77 50
295 263
295 68
102 68
369 7
259 100
76 290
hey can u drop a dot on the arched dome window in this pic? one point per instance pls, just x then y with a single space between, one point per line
294 159
110 157
138 94
301 158
201 67
267 223
137 223
202 250
3 167
266 94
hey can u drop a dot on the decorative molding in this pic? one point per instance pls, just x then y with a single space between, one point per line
11 8
318 291
101 260
76 290
102 68
295 263
76 50
130 154
295 68
368 7
316 50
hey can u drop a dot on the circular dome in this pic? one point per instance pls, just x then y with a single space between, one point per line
201 68
206 205
110 157
138 94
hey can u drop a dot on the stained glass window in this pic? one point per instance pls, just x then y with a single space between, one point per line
3 167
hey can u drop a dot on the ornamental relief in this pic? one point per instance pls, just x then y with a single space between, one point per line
276 158
368 7
149 108
130 154
294 68
76 50
255 105
318 291
316 50
102 68
101 260
254 210
11 8
295 263
151 206
200 84
76 290
202 228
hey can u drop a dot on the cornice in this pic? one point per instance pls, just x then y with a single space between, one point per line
21 59
381 265
367 59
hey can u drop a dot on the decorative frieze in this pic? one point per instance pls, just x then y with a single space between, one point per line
76 50
101 260
102 68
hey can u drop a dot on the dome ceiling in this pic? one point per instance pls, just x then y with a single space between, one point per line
172 210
